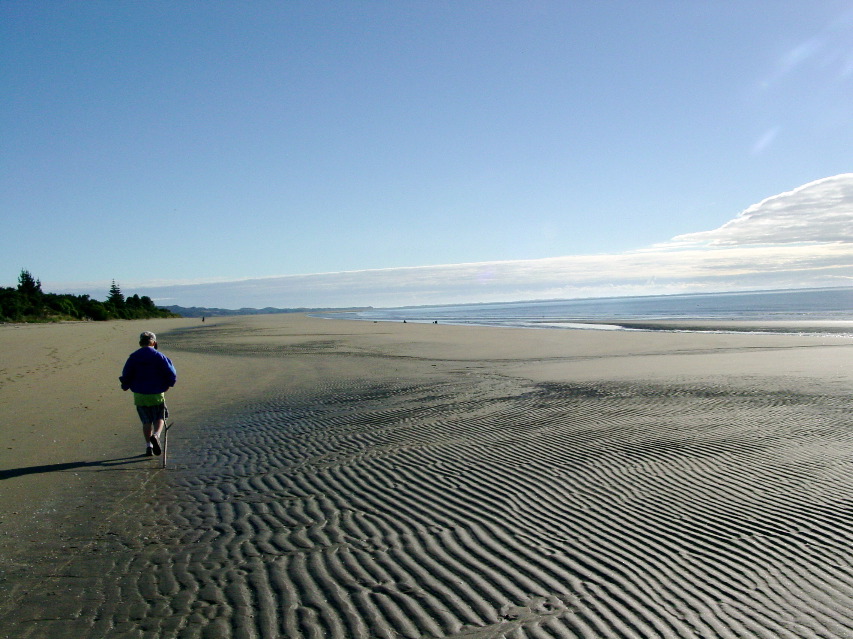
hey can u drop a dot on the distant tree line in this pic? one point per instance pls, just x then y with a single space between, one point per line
28 303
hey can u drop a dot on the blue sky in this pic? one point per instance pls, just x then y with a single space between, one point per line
158 143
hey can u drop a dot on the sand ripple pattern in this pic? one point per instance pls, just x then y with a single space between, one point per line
486 508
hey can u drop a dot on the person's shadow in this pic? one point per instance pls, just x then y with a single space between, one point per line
56 468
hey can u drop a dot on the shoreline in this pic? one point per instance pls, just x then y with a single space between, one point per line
840 328
823 327
385 445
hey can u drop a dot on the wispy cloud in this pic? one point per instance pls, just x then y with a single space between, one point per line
829 52
801 238
765 141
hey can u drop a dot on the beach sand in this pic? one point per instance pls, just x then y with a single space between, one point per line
343 479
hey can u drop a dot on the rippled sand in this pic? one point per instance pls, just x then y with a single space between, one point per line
364 480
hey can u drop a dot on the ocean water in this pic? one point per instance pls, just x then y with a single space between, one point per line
615 313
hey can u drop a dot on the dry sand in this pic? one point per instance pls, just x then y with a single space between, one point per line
345 479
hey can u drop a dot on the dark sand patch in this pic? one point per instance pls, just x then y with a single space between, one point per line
484 508
408 496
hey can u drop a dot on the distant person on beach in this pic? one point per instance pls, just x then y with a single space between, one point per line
149 374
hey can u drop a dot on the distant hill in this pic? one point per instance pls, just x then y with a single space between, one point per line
199 311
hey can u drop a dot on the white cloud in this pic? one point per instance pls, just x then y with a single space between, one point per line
820 211
802 238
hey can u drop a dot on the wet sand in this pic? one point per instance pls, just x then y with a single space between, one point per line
349 479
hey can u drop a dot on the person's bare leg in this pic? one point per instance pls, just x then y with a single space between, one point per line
146 431
154 432
157 428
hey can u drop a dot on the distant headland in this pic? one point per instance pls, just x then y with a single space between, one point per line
28 303
198 311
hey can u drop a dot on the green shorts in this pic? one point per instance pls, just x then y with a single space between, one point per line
151 414
150 407
154 399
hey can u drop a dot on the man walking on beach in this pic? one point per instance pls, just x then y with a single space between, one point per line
149 374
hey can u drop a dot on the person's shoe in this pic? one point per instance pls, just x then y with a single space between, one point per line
155 445
149 452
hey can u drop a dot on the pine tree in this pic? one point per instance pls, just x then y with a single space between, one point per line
115 298
28 286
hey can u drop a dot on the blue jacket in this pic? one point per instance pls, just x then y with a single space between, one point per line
148 371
